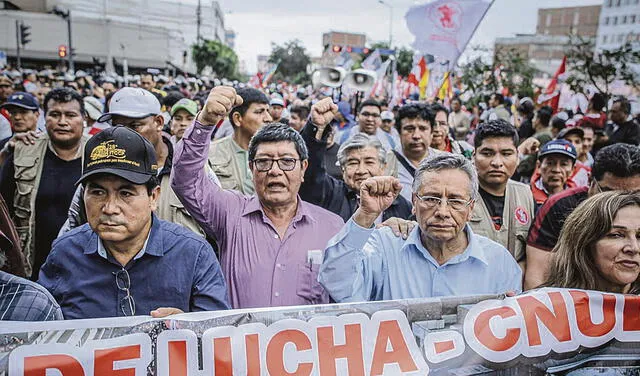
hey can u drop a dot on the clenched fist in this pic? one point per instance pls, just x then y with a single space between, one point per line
220 101
376 195
323 112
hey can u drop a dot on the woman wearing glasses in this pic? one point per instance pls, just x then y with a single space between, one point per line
441 256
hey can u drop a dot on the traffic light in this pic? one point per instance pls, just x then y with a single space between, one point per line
62 51
24 33
349 49
337 48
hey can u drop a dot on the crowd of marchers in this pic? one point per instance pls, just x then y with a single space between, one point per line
167 196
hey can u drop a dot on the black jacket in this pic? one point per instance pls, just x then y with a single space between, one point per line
321 189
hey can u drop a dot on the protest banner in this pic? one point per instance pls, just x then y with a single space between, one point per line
547 331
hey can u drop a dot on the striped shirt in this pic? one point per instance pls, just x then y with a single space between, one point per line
23 300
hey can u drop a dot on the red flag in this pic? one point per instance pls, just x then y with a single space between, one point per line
551 94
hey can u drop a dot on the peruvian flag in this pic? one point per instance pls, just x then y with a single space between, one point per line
551 95
418 72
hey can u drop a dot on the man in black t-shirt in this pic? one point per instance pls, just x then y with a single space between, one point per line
616 167
506 208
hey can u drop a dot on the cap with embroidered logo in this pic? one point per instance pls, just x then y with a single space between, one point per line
22 100
119 151
562 147
132 102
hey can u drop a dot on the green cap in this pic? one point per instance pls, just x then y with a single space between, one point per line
185 104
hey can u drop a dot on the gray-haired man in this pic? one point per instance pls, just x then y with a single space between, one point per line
360 158
441 256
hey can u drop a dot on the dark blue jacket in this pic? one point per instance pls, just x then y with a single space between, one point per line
178 269
321 189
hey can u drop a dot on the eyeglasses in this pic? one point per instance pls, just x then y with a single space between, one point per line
369 114
454 203
127 304
265 164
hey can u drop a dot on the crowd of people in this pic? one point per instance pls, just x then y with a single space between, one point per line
168 195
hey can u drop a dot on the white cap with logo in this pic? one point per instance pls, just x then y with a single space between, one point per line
132 102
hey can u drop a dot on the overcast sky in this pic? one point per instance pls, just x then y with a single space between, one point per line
258 23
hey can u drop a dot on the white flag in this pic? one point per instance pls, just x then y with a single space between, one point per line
444 27
373 61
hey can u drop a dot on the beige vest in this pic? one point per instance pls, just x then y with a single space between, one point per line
517 218
27 160
223 163
171 209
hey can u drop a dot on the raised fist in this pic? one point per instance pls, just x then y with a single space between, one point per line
219 103
376 195
323 112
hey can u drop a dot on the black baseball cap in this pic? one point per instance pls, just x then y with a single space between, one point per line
119 151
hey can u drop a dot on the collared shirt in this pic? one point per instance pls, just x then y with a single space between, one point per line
367 264
23 300
178 269
261 269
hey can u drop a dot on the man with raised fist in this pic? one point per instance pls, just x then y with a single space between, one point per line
271 244
441 256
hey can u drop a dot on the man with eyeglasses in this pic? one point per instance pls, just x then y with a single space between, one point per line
440 257
126 261
270 243
616 167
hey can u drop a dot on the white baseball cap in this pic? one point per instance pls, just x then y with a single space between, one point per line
132 102
386 115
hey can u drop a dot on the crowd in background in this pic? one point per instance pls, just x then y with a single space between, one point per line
160 195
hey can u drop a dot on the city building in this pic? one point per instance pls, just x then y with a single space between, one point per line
334 42
546 48
147 33
581 21
619 23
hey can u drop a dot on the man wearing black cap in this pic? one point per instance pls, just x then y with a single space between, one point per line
23 113
126 261
553 169
581 173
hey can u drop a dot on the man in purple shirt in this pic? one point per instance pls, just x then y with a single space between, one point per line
271 244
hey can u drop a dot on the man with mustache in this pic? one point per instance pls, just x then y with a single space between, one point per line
505 210
554 167
126 261
270 243
38 178
441 256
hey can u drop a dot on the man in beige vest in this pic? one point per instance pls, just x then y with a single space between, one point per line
505 211
228 156
38 180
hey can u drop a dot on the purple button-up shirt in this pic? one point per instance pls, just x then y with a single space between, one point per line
261 269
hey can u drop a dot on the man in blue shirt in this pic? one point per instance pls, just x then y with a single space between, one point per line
125 261
441 256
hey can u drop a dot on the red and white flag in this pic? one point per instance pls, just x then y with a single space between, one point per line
551 95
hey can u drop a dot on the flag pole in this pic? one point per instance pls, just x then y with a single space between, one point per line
473 33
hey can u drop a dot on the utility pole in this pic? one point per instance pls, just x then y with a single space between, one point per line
18 64
390 21
66 15
198 21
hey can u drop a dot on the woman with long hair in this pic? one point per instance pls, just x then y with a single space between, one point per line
599 246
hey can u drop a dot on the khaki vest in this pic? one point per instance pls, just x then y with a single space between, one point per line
27 160
517 218
222 162
171 209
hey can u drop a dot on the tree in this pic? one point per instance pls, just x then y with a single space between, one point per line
219 57
601 68
292 60
479 78
405 61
